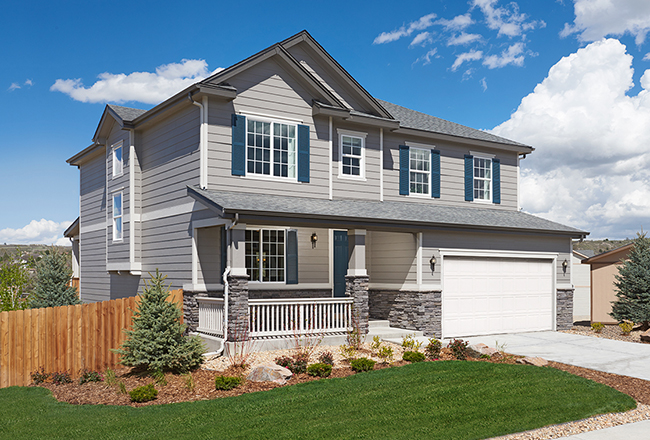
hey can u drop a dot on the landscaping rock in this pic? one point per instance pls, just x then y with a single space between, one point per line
269 373
478 350
537 361
645 336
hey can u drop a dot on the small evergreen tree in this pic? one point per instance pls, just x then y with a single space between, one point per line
53 287
633 284
156 341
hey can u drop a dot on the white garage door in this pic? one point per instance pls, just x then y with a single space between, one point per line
483 296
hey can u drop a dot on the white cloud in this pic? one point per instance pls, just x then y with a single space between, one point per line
29 82
463 39
483 84
597 19
426 58
472 55
405 31
457 23
37 232
646 57
422 39
146 87
13 87
592 165
506 20
512 55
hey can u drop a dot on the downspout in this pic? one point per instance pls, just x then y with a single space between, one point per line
225 277
202 143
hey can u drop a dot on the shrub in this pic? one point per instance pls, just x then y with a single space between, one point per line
61 377
458 347
410 344
189 381
52 282
385 353
326 358
597 327
413 356
111 378
348 352
319 370
159 377
40 376
284 361
145 393
626 327
297 363
226 383
376 343
433 348
156 342
90 376
362 364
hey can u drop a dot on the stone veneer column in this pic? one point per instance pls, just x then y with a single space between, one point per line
237 308
564 309
356 286
191 310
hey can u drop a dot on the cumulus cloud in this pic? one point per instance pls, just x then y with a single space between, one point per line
512 55
592 165
145 87
37 232
597 19
463 39
422 39
506 20
404 31
457 23
472 55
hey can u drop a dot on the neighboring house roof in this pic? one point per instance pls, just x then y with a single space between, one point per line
73 229
583 253
230 203
612 256
421 121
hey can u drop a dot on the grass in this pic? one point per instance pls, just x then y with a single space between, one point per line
447 400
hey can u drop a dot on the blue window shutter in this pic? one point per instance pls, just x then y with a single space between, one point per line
435 174
404 170
292 256
469 177
496 180
303 153
238 145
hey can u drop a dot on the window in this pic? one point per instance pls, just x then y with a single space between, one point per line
271 148
482 179
265 255
118 164
419 170
117 217
352 155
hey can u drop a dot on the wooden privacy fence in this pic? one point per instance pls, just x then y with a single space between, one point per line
69 338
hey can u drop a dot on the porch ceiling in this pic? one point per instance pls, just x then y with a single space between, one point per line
228 203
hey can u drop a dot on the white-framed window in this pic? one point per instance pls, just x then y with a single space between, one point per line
482 179
118 163
266 254
117 217
271 148
352 150
419 171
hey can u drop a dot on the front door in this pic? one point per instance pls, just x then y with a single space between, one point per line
340 262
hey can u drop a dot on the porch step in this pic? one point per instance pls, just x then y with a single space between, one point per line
378 323
385 332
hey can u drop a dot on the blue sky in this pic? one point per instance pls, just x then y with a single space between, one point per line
564 76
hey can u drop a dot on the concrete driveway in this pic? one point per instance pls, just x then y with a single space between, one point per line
618 357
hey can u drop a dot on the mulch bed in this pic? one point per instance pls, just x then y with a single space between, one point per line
177 389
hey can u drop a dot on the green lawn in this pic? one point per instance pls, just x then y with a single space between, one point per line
447 400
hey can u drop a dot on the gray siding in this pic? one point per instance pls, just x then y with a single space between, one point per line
94 281
209 252
391 257
118 251
313 263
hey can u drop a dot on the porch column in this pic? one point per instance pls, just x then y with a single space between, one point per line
238 286
356 281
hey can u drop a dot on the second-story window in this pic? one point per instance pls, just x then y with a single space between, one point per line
117 217
419 170
118 164
482 179
351 155
271 148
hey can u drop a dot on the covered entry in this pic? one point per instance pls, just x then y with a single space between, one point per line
491 295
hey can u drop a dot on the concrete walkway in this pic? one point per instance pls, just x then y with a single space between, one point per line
618 357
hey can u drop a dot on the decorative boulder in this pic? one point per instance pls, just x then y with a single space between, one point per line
537 361
269 373
645 336
478 350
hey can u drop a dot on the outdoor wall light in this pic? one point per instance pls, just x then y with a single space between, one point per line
314 239
432 263
565 264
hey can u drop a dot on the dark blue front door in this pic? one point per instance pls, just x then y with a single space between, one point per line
340 262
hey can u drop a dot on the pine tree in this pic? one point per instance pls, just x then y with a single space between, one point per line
53 282
156 341
633 284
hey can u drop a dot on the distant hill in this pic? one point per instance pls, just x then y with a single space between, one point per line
600 246
9 250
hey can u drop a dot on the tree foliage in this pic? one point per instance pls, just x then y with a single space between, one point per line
633 284
14 280
53 282
156 341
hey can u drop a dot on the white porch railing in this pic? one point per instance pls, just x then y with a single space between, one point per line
211 316
299 316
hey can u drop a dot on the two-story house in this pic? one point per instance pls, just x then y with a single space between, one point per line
279 194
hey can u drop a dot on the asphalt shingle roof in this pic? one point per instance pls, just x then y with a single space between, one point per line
384 212
421 121
127 113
